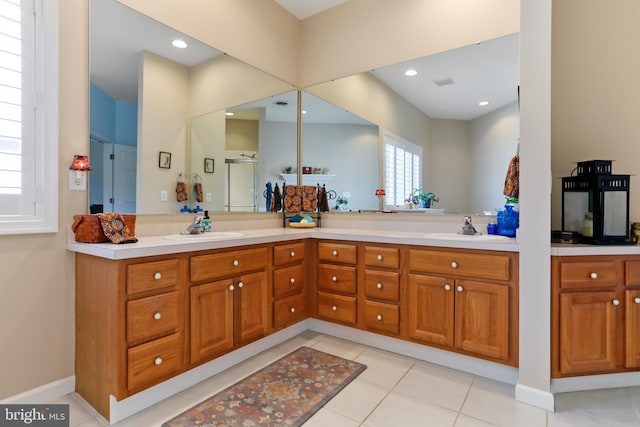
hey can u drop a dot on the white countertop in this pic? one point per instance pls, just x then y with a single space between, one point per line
160 245
569 249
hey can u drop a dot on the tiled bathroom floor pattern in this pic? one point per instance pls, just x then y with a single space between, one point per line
398 391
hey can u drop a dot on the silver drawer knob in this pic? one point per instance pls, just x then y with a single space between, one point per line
379 285
157 315
292 253
460 288
334 279
594 275
379 257
158 361
240 284
636 300
334 308
616 302
236 263
292 280
334 253
231 287
454 264
292 309
447 287
379 317
157 276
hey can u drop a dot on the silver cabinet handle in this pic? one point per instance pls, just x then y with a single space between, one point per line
292 280
292 309
157 315
460 288
292 253
594 275
454 264
636 300
334 253
157 276
334 279
158 361
379 317
379 285
379 257
334 308
236 263
240 284
447 287
616 301
231 287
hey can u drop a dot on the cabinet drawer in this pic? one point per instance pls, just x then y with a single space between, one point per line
479 265
337 278
286 254
152 362
151 316
288 280
149 276
377 256
338 308
289 310
381 316
632 276
588 274
337 252
213 266
382 285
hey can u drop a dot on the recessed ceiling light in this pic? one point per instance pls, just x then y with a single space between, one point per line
304 111
229 113
411 72
180 44
483 103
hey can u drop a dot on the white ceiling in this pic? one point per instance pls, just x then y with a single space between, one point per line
485 71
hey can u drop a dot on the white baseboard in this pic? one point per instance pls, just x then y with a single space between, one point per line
535 397
44 393
595 382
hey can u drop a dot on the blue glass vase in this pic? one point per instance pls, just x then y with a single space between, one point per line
508 221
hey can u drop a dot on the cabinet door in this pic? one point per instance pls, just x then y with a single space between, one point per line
588 329
431 309
211 320
251 310
632 329
482 318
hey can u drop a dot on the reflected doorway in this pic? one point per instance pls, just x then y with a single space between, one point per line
242 183
112 182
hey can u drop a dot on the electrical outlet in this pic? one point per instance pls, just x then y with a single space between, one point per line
77 180
163 196
207 197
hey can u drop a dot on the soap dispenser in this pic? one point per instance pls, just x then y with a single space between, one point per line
206 222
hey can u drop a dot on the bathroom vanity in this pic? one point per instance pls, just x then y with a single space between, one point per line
158 309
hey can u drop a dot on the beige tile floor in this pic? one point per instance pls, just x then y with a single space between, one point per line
398 391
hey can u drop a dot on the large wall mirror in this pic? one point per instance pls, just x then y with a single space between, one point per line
148 97
466 147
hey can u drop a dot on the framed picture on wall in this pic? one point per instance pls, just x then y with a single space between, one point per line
164 161
208 165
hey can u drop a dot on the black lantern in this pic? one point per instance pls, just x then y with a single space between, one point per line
595 204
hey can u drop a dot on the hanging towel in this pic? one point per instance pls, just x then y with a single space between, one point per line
512 179
300 198
323 200
197 189
268 194
115 228
276 206
181 190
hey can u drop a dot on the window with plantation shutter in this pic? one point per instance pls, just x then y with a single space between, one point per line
402 165
28 116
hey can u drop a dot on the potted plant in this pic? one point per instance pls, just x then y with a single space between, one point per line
422 198
341 203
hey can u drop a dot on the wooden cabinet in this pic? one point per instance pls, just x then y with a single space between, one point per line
595 308
289 297
337 282
380 300
465 301
130 327
232 311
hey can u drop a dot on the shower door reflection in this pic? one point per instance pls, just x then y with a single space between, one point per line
242 183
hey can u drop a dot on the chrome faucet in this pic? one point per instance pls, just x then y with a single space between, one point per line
468 228
195 227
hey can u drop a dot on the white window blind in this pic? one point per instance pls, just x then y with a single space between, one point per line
402 165
28 116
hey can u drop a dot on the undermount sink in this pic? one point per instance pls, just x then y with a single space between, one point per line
215 235
468 237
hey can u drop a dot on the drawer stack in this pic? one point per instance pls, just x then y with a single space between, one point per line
381 311
337 282
289 302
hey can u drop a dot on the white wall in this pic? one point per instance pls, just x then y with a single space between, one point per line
207 139
494 142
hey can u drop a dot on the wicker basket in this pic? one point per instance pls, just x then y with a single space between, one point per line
88 228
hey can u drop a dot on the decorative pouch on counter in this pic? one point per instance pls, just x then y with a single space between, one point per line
115 228
88 228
